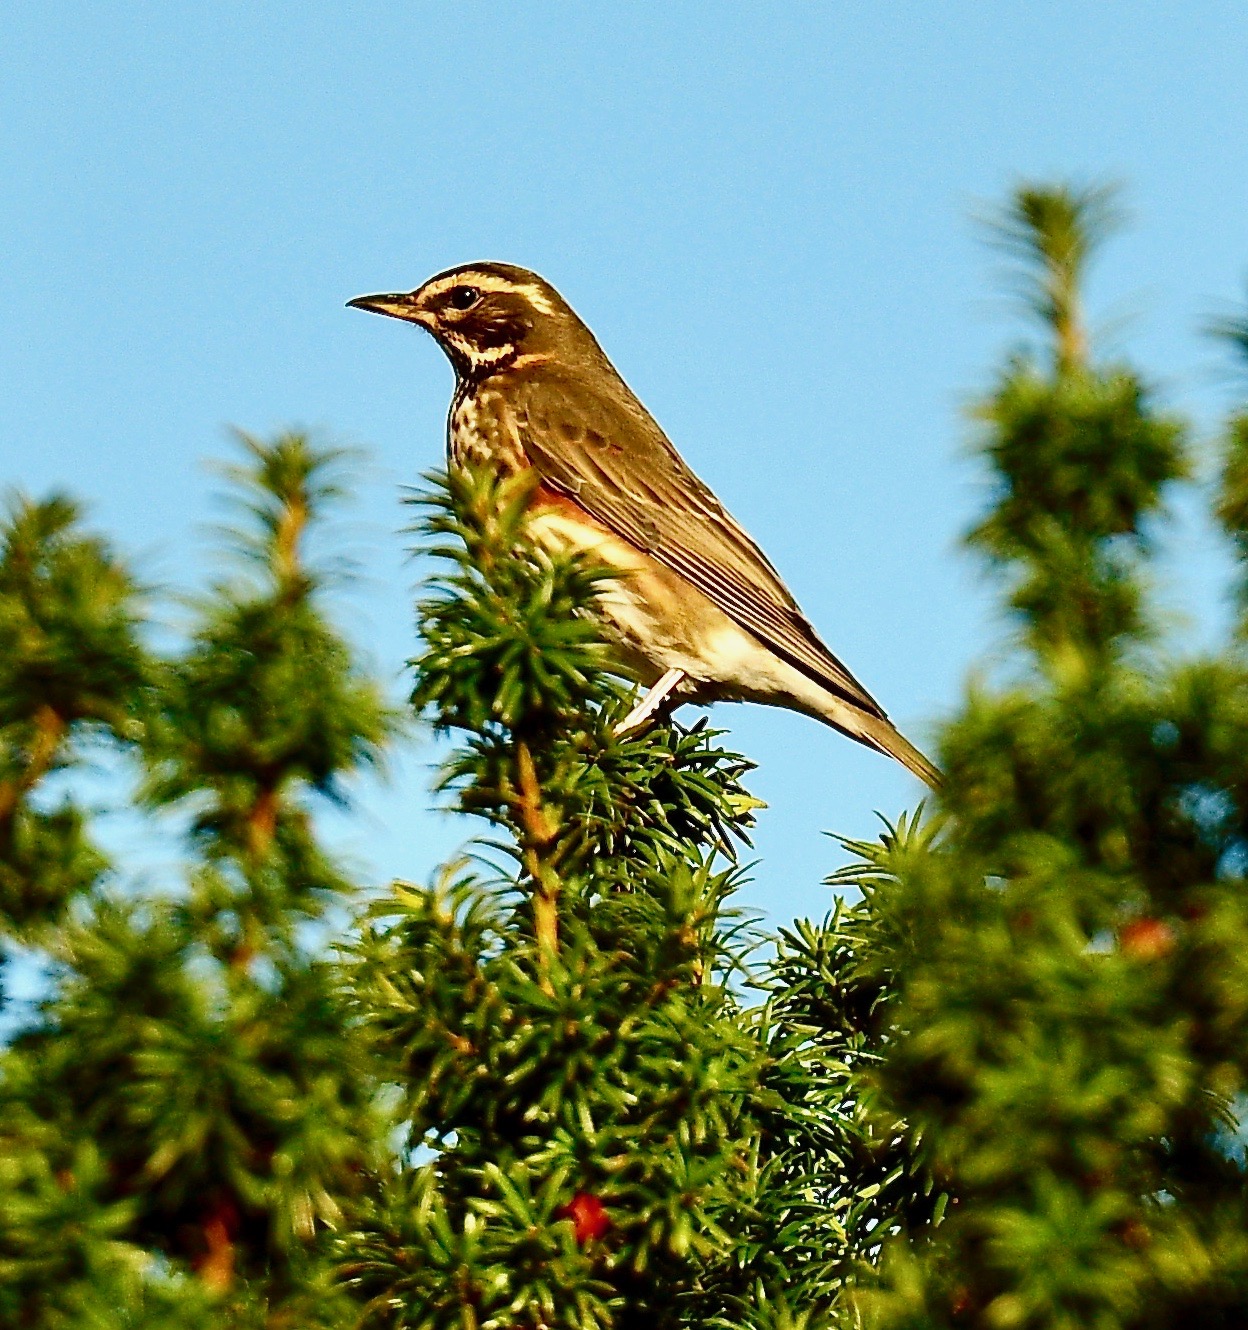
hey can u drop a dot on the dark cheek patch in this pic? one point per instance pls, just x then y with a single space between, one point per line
505 330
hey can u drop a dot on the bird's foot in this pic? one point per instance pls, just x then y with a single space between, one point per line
649 704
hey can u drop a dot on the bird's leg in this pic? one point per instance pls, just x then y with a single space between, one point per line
651 702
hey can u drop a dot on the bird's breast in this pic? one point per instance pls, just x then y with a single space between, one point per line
481 432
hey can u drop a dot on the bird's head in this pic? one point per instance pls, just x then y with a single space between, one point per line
485 316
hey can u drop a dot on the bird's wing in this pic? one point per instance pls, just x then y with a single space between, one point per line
608 455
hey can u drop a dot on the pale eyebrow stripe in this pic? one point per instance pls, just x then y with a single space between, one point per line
537 298
488 282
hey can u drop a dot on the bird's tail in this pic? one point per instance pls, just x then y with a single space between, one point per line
889 739
880 733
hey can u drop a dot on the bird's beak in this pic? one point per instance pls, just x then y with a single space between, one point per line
400 305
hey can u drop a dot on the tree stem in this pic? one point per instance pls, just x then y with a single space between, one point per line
49 730
216 1264
290 527
262 822
537 836
1070 335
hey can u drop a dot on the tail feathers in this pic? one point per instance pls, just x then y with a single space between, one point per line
895 744
880 733
885 736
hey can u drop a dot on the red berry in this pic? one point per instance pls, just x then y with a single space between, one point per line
588 1215
1147 939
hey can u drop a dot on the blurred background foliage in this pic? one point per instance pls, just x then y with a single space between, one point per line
568 1082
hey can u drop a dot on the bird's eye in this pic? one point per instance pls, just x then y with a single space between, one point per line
464 297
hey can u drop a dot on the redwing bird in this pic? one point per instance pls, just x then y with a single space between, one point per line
700 614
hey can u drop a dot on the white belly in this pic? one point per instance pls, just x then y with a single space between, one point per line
662 622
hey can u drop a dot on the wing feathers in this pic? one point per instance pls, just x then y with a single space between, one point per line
608 454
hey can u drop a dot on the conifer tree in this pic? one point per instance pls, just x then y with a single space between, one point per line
604 1124
574 1068
187 1113
1067 1031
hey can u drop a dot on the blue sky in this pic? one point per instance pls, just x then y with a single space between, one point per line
762 210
